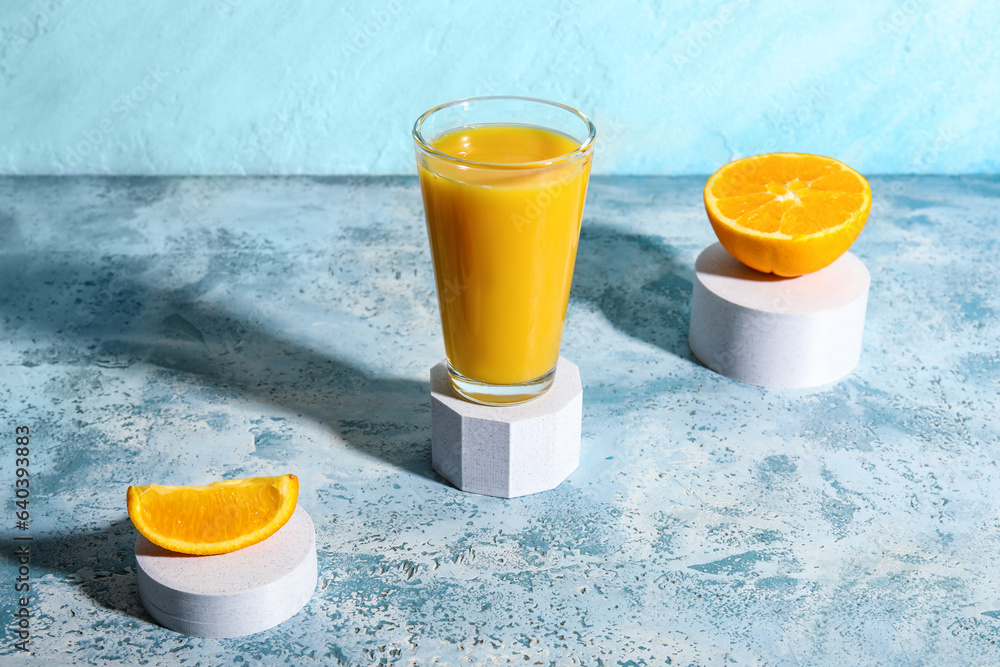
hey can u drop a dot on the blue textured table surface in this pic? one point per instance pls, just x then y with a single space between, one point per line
185 330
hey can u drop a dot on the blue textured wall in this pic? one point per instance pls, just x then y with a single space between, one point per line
239 86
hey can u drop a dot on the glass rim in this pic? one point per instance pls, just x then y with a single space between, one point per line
585 146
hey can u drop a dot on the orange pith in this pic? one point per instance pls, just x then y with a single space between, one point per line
787 213
217 518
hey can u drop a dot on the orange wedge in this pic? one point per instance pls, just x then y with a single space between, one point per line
787 213
213 519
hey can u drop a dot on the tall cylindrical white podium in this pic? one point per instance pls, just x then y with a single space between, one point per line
778 332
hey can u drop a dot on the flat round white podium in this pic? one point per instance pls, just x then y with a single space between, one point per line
771 331
234 594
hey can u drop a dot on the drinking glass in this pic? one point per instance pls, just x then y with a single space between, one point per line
503 181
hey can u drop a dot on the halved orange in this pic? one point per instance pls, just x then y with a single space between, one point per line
214 519
787 213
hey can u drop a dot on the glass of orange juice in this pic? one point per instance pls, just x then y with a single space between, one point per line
503 181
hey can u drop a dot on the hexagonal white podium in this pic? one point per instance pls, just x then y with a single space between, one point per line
778 332
512 450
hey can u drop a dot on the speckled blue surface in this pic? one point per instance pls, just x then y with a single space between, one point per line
184 330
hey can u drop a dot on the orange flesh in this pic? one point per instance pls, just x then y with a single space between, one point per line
214 515
213 519
792 197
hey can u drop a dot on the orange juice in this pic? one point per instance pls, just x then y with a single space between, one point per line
504 223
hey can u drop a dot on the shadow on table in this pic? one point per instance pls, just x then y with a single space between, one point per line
94 561
104 314
384 417
637 282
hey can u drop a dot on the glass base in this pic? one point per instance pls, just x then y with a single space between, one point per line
496 394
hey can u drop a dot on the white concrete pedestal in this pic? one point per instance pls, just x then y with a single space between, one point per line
778 332
234 594
512 450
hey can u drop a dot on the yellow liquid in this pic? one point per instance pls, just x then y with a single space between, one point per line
503 239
